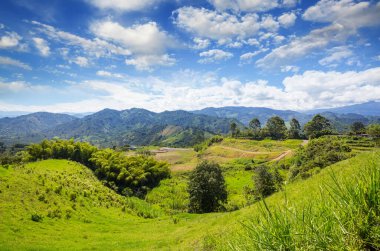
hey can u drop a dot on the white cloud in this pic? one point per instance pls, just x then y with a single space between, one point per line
268 23
309 90
123 5
287 19
14 86
12 62
244 5
10 40
345 18
336 55
290 68
348 13
147 62
42 46
108 74
200 43
214 55
247 57
140 38
81 61
95 47
299 47
215 25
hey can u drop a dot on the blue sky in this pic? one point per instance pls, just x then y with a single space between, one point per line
86 55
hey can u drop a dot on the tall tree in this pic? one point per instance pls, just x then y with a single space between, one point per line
318 127
276 128
295 129
357 127
374 130
233 129
207 188
255 126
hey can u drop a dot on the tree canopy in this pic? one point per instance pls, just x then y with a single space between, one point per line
276 128
318 127
207 188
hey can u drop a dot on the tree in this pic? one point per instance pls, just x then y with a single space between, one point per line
318 127
265 182
295 129
357 127
255 126
374 130
276 128
207 188
233 129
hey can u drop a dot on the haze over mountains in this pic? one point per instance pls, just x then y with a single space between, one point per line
170 128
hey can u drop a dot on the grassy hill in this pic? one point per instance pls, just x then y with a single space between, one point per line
58 204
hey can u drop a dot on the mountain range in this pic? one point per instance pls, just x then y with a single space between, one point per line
109 127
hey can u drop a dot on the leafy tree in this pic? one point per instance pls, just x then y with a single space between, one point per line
357 127
207 188
374 130
255 126
295 129
265 182
318 127
233 129
276 128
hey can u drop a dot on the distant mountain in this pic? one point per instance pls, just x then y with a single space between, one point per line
367 109
246 114
30 127
111 127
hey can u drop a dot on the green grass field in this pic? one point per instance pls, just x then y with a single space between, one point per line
73 210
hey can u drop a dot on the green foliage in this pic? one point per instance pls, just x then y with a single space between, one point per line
357 127
294 131
255 127
36 217
207 188
276 128
374 130
318 127
233 129
133 175
345 216
265 182
209 142
317 154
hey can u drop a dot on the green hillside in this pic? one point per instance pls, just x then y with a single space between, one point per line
58 204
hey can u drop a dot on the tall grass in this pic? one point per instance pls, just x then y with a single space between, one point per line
346 216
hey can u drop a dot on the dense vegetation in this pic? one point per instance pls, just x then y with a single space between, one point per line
133 175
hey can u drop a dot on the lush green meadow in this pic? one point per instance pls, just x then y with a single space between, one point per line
60 204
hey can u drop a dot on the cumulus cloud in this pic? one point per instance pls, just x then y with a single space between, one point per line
146 62
214 55
345 17
247 57
244 5
309 90
13 62
81 61
215 25
200 43
336 55
287 19
123 5
42 46
9 40
147 42
345 12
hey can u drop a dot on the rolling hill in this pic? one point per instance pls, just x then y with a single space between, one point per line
115 128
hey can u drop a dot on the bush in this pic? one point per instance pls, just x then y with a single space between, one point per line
265 182
207 188
318 153
37 217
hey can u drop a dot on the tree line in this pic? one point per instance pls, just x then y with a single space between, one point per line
127 175
318 126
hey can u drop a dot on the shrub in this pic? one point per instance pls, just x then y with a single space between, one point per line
265 182
37 217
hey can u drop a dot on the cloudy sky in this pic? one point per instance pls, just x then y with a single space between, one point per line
86 55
